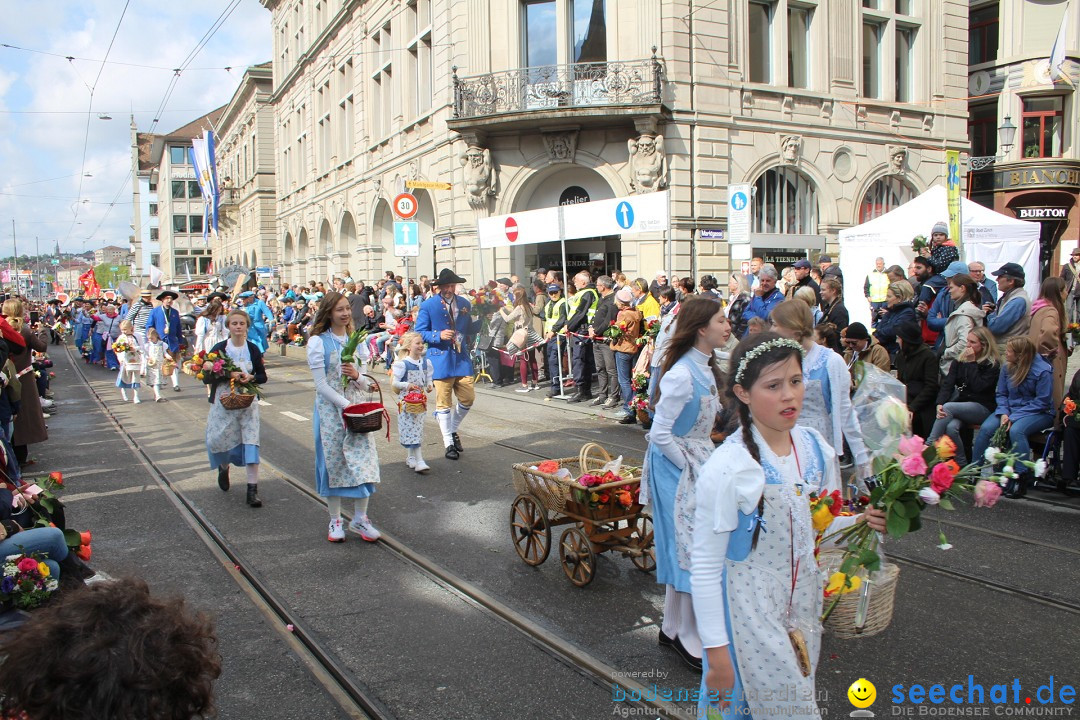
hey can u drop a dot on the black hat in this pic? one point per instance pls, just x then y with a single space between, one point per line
168 293
856 331
910 332
505 281
219 295
51 301
1010 270
447 277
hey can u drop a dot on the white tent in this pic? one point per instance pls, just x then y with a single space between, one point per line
987 236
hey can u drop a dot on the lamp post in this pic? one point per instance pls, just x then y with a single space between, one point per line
1006 140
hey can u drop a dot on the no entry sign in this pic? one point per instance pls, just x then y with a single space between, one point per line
511 229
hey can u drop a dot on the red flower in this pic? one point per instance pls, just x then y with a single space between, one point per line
605 498
83 553
85 537
941 477
837 505
57 477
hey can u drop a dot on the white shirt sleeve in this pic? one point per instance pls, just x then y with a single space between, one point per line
676 390
844 411
323 387
728 482
398 375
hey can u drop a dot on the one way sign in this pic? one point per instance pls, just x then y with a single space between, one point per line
406 239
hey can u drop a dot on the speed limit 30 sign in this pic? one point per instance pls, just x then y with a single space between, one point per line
405 205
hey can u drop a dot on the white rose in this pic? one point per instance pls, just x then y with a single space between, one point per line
1007 471
1040 468
991 453
929 496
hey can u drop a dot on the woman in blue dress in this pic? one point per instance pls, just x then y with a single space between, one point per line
754 575
687 403
346 463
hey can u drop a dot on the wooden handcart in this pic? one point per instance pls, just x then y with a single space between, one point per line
547 500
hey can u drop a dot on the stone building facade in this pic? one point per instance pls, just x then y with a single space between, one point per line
835 112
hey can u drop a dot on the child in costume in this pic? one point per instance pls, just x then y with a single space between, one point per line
412 375
154 354
129 355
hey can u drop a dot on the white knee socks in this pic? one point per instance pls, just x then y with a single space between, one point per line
670 624
333 504
460 411
688 632
252 474
360 507
123 394
445 424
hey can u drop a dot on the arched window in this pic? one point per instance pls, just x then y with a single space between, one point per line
785 202
887 193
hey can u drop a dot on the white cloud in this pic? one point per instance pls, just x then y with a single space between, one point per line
41 145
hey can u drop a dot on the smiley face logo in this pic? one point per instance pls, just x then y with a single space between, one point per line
862 693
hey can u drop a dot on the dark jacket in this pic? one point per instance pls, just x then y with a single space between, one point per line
837 314
606 312
975 382
809 282
737 313
917 369
258 367
885 332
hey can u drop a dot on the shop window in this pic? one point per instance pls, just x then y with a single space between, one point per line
982 129
983 34
884 195
1042 121
785 202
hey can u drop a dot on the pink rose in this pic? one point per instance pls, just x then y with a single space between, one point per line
913 465
913 445
941 478
219 365
987 493
27 564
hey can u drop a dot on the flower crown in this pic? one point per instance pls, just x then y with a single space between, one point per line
761 350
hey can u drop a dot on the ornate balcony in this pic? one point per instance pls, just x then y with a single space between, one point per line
580 91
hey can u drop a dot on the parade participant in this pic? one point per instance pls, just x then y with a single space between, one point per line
972 380
874 288
555 334
827 406
580 310
1024 396
753 589
210 326
687 404
139 315
445 324
232 436
166 320
260 315
412 373
131 363
153 358
346 463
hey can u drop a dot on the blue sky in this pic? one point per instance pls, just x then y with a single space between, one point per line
44 103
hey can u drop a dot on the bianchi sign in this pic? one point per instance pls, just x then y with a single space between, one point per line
1042 213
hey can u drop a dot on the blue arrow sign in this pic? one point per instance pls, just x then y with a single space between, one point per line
406 239
624 215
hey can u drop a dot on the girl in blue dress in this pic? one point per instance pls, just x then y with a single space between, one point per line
346 463
687 403
754 575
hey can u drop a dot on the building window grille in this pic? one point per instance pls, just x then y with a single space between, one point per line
785 202
885 195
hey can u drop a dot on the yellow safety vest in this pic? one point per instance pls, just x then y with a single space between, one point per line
879 286
575 301
551 315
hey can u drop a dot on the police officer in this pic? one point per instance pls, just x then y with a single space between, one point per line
554 332
580 311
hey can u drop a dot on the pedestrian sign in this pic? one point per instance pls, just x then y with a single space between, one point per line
624 215
406 239
738 217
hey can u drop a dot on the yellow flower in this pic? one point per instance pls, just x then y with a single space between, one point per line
839 582
822 517
594 497
199 376
43 569
212 356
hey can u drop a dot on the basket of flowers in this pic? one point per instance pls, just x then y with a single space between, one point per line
592 484
413 402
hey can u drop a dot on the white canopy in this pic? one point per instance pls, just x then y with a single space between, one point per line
987 236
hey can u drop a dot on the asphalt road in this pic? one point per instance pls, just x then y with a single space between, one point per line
425 651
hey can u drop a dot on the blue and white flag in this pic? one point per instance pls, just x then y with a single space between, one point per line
202 157
1057 53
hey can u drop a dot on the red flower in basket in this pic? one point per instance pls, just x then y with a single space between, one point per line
548 466
624 497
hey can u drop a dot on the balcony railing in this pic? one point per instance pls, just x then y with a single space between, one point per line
550 87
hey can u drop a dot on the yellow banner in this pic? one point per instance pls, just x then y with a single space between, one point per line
952 186
426 185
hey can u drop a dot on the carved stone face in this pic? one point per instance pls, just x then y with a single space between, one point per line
897 159
790 147
646 145
476 158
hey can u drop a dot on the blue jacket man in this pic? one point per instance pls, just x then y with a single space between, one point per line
260 315
445 324
166 320
761 305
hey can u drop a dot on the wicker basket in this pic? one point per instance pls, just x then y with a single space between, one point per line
554 491
365 417
841 622
234 400
414 402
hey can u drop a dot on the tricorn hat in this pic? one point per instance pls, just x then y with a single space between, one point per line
447 277
219 295
168 293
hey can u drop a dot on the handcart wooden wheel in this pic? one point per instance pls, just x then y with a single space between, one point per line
643 537
529 529
577 556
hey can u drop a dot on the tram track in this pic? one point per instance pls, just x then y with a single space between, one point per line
326 669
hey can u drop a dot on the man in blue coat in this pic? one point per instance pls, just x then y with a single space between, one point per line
260 316
166 320
445 324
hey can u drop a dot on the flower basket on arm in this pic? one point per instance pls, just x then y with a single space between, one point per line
367 416
234 400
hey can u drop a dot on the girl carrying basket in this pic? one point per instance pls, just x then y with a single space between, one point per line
154 354
232 436
346 463
412 377
129 355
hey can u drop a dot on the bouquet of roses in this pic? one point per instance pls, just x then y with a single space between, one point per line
624 496
40 499
1069 407
26 581
123 344
615 331
211 366
1073 331
649 332
918 243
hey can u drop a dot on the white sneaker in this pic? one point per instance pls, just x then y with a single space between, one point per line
421 466
410 460
46 404
363 527
337 531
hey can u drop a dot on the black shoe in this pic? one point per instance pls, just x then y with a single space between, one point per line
223 478
580 397
665 641
177 388
1016 489
253 497
553 392
628 419
457 442
452 453
693 662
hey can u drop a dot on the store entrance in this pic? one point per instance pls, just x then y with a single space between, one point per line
600 256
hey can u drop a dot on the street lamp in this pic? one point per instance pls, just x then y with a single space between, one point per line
1006 140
